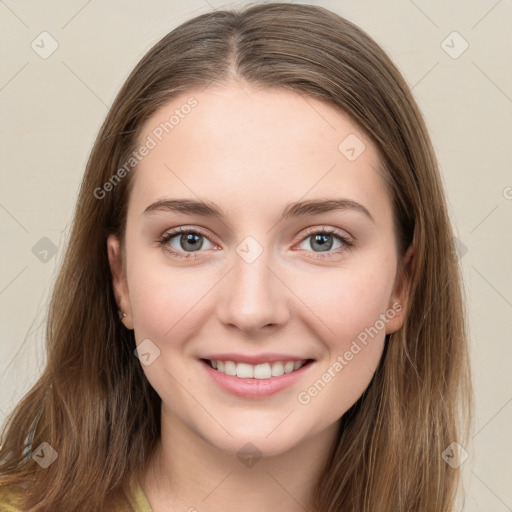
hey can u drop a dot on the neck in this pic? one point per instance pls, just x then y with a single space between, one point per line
189 474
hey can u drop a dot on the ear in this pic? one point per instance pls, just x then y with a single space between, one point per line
399 301
119 282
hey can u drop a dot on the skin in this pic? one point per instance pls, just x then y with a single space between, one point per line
252 151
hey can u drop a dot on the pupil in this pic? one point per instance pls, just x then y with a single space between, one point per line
321 239
191 238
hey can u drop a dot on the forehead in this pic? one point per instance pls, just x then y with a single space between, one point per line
245 146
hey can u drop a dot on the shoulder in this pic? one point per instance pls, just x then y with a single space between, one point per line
138 499
10 500
133 499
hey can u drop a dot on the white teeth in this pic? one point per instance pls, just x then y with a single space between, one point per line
244 370
262 371
277 369
288 367
230 368
258 371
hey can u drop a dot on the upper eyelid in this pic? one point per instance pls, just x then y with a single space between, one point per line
171 233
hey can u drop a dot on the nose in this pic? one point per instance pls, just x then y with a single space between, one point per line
253 296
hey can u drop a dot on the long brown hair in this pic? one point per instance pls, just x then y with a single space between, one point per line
93 404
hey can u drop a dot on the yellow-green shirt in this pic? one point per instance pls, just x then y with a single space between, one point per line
138 500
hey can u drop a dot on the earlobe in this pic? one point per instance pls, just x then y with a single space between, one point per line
399 300
119 283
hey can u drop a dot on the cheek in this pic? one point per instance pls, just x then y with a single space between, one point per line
347 303
351 306
353 310
165 301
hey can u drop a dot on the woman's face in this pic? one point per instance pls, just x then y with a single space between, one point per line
253 284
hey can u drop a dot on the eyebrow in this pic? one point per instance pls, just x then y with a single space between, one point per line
292 210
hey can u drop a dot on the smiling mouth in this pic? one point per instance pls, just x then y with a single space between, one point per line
257 371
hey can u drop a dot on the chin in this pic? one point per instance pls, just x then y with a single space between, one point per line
254 444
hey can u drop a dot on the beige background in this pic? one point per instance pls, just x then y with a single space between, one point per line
51 109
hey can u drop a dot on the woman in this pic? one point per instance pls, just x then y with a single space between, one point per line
260 299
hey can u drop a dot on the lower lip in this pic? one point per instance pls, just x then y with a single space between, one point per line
254 388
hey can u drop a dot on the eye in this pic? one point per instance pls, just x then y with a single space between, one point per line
322 240
192 239
188 239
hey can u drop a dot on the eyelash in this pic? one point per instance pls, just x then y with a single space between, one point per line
166 237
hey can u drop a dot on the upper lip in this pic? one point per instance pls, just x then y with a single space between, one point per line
255 359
